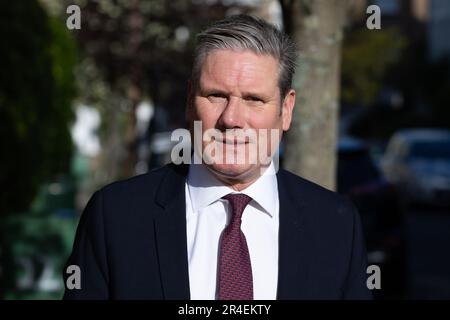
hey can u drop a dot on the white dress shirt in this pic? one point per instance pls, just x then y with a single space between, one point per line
207 216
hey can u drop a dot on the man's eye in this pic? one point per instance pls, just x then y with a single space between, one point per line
216 97
254 99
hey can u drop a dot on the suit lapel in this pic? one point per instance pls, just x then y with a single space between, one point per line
170 230
293 242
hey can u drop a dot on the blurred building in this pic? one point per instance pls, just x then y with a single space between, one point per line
438 29
421 19
410 16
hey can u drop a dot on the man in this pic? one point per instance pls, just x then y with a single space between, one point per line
234 226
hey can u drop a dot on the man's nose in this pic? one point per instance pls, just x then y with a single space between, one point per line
233 114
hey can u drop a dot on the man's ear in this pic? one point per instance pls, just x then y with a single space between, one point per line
287 109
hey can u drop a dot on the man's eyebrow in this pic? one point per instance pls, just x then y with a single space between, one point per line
209 89
212 89
253 94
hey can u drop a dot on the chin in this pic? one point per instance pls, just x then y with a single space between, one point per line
233 171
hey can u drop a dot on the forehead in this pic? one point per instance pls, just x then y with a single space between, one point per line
232 69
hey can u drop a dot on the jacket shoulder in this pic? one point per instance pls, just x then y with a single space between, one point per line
322 201
295 182
147 183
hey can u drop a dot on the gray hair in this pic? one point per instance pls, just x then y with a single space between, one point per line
244 32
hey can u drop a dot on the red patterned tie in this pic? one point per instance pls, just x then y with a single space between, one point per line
235 269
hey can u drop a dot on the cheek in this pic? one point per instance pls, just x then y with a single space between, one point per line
267 123
267 120
206 113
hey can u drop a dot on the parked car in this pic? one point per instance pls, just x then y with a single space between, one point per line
418 162
376 199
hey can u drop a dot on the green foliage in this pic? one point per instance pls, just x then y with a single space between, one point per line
34 245
36 90
39 241
366 57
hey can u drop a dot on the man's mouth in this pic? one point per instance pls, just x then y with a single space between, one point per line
235 141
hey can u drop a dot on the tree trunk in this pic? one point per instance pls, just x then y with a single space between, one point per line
317 28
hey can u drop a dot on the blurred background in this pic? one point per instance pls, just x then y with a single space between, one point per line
80 108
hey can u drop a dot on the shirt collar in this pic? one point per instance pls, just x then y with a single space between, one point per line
204 189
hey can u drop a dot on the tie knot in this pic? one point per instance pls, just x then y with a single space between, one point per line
238 202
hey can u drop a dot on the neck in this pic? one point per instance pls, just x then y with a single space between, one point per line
241 182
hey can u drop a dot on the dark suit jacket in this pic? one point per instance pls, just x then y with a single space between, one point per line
131 241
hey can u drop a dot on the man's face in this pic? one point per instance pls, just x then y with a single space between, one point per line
239 90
